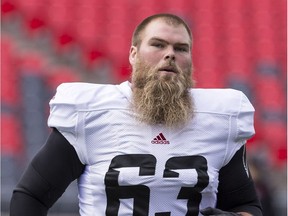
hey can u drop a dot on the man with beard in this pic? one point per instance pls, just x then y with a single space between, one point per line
154 146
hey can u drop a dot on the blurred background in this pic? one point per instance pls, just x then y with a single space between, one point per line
238 44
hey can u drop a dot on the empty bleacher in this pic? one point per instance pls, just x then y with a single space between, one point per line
237 44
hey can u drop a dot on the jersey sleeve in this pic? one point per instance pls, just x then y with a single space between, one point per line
245 120
64 114
242 124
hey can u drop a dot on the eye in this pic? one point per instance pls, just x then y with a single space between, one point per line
181 49
158 45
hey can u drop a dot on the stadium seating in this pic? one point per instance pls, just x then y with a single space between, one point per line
9 73
230 38
237 44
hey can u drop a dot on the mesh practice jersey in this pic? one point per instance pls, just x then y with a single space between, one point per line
138 169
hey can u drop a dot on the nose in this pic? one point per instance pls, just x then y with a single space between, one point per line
170 54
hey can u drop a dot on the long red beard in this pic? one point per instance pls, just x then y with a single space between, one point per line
162 100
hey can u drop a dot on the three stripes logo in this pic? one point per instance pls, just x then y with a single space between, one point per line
160 139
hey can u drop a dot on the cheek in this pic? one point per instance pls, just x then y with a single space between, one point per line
185 64
150 58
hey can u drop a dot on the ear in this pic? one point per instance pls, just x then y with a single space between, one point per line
132 55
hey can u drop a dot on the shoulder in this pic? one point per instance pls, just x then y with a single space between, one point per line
83 91
72 100
222 101
84 95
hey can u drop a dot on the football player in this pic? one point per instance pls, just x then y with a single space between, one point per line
154 146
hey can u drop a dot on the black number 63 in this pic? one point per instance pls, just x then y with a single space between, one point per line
141 193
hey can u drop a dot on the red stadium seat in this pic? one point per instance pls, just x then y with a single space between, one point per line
7 8
59 19
9 72
32 12
89 31
60 74
32 63
270 93
264 30
275 135
11 141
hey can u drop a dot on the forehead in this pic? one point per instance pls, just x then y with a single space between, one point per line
166 31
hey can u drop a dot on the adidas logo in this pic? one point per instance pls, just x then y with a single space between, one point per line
160 139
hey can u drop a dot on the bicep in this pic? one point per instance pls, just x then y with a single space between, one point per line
236 189
50 172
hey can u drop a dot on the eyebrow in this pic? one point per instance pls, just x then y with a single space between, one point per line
166 42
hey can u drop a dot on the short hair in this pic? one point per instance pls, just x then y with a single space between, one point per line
168 18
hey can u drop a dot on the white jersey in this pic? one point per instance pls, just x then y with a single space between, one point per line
138 169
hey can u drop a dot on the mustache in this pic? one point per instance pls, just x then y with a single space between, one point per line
169 66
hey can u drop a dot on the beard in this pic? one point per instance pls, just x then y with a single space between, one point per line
162 99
